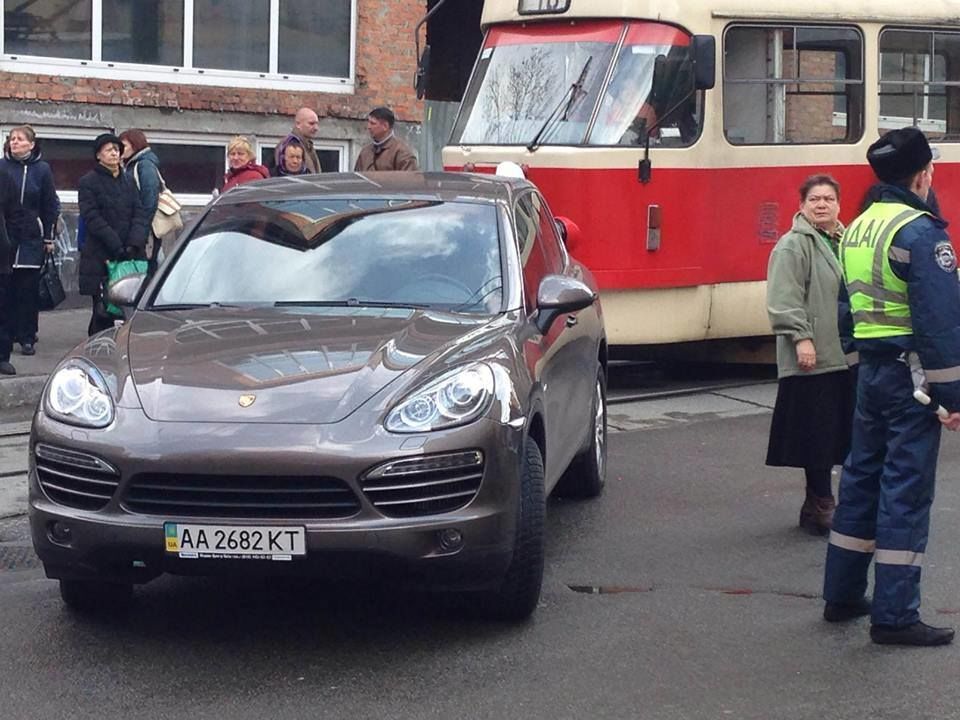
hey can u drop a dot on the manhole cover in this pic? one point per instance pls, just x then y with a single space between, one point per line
17 557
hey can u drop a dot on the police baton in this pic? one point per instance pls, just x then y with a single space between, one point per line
920 385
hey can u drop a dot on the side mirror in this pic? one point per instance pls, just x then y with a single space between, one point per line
422 76
569 233
558 295
704 61
125 291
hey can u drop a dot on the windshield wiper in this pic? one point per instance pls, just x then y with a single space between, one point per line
191 306
569 99
350 302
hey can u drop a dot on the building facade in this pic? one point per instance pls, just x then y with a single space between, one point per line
194 73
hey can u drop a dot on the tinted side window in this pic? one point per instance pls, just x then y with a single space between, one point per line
534 262
548 235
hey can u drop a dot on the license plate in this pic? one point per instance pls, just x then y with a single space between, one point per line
255 542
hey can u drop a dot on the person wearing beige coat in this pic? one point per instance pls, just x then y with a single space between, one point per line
813 414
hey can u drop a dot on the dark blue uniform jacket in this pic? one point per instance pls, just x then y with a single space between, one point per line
933 291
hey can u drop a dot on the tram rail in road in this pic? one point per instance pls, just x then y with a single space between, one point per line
630 382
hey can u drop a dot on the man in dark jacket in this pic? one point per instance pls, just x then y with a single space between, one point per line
901 276
386 152
8 206
116 223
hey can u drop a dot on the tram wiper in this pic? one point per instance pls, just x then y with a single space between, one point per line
569 99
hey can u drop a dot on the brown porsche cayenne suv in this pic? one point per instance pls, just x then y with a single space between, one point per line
331 373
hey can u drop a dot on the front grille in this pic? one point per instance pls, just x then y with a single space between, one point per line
75 479
240 496
426 485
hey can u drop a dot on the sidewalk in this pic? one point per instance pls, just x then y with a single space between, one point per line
60 331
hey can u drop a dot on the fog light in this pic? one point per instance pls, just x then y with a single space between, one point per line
60 532
450 539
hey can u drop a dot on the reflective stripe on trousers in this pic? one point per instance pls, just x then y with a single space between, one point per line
886 491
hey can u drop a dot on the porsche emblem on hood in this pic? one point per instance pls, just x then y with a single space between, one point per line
247 400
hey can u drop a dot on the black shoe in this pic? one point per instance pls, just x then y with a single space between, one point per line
28 349
6 368
919 634
839 612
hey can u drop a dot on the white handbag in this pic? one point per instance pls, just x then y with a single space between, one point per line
167 219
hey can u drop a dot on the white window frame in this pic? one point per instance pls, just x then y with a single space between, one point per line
161 137
185 74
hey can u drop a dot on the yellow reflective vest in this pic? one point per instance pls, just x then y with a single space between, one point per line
878 298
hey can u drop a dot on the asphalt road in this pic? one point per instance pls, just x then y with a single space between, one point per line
709 609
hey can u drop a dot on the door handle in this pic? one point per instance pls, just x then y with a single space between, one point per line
571 320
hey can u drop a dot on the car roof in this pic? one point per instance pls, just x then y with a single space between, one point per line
444 186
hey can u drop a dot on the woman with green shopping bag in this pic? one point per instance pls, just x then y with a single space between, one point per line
116 225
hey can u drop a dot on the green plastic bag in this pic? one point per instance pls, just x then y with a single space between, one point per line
117 269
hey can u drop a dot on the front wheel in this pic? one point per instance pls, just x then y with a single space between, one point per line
96 597
519 592
587 473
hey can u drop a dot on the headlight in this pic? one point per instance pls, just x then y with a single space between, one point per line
78 395
455 398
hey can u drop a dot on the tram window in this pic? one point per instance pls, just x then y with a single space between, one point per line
530 84
631 105
792 85
919 72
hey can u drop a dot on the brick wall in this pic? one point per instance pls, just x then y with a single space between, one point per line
385 66
810 115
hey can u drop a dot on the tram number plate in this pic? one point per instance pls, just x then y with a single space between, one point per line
544 6
188 540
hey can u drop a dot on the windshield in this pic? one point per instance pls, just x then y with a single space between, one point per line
523 74
410 253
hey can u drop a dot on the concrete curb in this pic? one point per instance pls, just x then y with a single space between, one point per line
21 391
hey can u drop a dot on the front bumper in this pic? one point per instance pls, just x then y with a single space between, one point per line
115 543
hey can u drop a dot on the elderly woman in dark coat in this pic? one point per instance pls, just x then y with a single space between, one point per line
116 223
31 231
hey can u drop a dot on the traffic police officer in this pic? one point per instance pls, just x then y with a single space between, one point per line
901 277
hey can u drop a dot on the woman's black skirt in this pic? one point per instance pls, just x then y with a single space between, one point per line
812 420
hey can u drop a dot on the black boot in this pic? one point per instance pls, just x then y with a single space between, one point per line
839 612
919 634
816 514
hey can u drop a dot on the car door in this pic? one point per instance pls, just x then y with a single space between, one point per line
581 334
551 355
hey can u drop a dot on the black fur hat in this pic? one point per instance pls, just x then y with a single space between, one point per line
900 154
106 139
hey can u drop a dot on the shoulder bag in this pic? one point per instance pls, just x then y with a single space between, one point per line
167 218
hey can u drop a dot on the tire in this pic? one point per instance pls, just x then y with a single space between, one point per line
519 593
587 473
95 597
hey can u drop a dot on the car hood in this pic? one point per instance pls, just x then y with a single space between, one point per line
280 365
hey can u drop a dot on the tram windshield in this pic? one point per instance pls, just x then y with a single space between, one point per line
554 85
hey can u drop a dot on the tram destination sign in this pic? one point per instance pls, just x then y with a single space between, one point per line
533 7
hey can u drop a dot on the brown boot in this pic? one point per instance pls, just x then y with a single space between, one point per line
816 514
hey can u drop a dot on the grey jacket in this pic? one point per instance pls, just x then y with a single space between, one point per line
803 283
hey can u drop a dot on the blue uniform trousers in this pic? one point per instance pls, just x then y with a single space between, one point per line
886 491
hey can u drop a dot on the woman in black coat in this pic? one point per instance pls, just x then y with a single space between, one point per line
30 230
116 223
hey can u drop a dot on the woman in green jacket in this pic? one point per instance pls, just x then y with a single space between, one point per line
815 396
